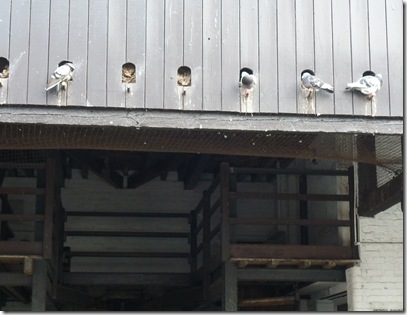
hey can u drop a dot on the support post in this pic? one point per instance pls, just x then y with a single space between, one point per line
193 245
206 245
303 210
225 226
352 216
229 287
39 287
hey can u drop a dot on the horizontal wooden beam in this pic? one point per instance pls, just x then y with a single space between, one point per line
306 275
304 222
15 279
128 234
12 165
125 214
173 119
22 217
278 171
289 251
267 302
287 196
99 278
127 254
20 248
21 191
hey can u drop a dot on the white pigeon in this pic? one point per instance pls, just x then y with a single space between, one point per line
368 84
247 82
61 75
313 83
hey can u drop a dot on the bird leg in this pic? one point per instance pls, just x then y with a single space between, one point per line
63 85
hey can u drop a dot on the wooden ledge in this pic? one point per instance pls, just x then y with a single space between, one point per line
300 263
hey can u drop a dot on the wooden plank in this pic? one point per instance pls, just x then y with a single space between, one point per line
225 229
306 275
39 287
19 49
249 48
360 53
15 279
38 57
21 217
303 207
287 196
206 245
20 248
173 47
21 191
126 214
256 170
116 55
97 53
305 51
230 55
78 51
95 278
394 18
154 89
324 102
301 222
5 46
193 52
267 302
127 254
378 53
291 251
273 262
136 50
11 165
229 287
49 208
193 220
58 47
287 72
212 57
341 56
268 64
127 234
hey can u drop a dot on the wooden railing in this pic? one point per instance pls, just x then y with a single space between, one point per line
216 215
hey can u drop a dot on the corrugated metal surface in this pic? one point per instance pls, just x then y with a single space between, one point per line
276 39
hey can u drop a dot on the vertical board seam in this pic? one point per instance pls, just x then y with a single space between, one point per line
87 57
278 68
28 53
351 51
387 55
164 54
107 54
333 56
145 53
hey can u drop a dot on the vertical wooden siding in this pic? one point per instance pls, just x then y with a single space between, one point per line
277 39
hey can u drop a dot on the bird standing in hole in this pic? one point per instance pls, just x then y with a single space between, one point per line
247 82
128 74
313 84
61 75
368 84
4 73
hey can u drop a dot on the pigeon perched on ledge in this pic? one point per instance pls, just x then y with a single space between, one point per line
313 84
368 84
247 82
61 75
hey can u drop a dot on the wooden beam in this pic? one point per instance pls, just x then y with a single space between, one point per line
196 167
99 278
39 287
268 302
15 279
126 214
303 222
229 287
245 251
127 234
127 254
138 179
305 275
382 198
288 196
20 248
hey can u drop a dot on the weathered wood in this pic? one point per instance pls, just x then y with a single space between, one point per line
96 278
127 234
267 302
193 176
126 214
15 279
275 262
191 120
284 196
225 194
229 287
206 245
127 254
39 286
293 251
20 248
49 208
306 275
193 219
303 204
287 171
301 222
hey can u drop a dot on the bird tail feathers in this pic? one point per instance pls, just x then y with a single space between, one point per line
327 87
53 83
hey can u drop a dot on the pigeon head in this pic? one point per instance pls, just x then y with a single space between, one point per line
68 63
307 71
247 79
369 72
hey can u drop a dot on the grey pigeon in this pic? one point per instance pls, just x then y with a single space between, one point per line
61 75
368 84
313 83
247 82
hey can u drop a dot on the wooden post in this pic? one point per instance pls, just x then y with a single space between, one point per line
49 207
206 244
352 217
229 287
193 239
39 287
225 227
303 210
